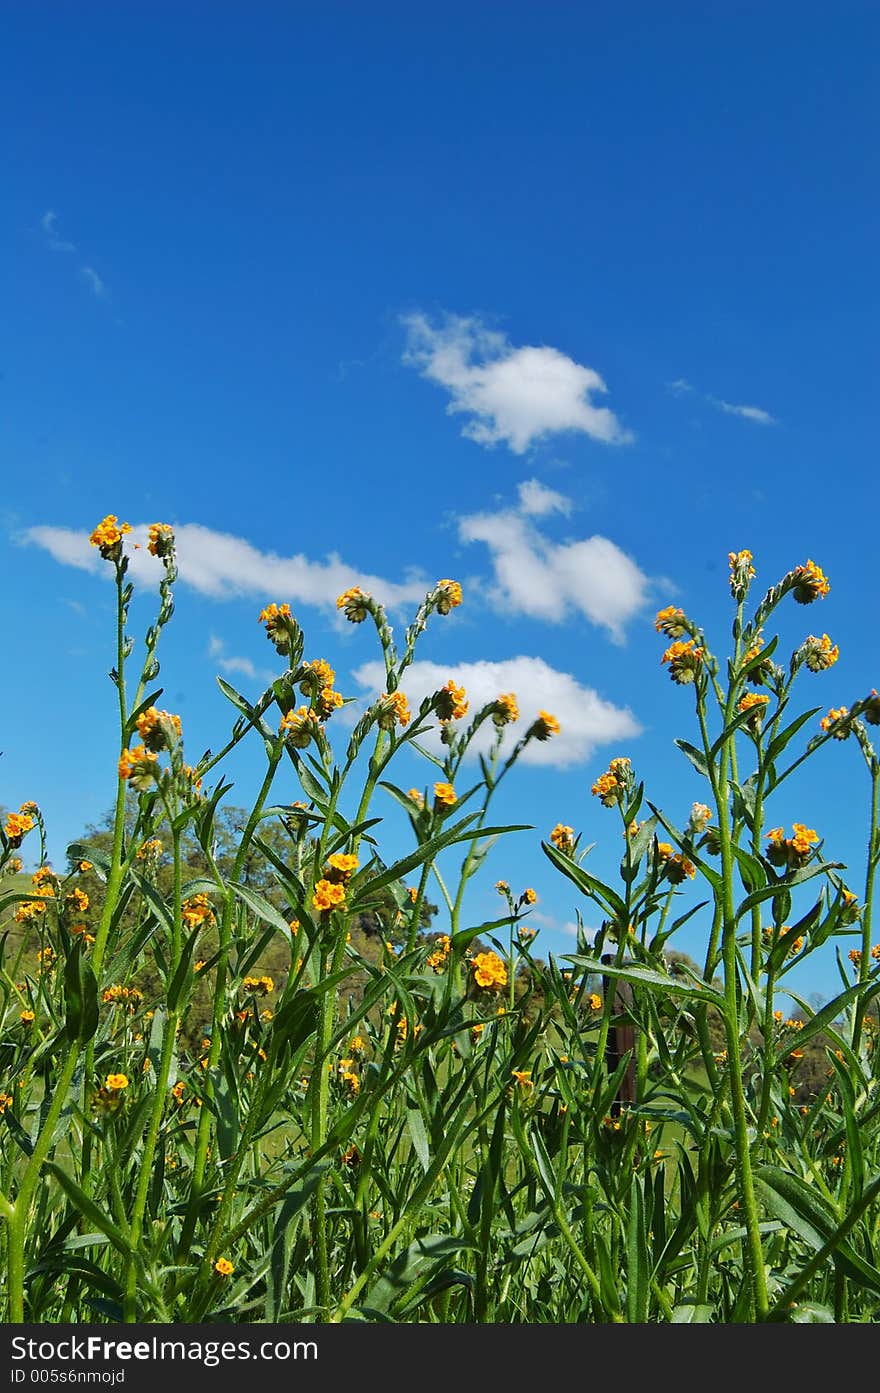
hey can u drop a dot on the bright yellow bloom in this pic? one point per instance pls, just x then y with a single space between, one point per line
444 795
354 602
150 850
27 1017
790 851
451 702
17 826
258 986
448 594
529 897
836 721
107 536
612 787
321 674
594 1001
672 622
820 653
77 900
502 887
300 726
562 838
489 971
328 895
685 661
544 726
161 541
677 867
352 1083
810 583
158 729
394 707
138 766
341 867
116 1082
29 909
197 910
506 710
224 1267
523 1078
741 572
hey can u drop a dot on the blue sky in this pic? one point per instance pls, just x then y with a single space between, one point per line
563 302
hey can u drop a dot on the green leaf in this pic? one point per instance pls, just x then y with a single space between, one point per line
638 1266
807 1214
696 757
778 744
87 1207
263 909
647 977
425 1253
594 889
81 996
418 1135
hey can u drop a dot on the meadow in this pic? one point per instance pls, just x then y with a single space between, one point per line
260 1069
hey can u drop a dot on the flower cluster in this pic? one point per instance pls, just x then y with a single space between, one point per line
672 622
444 796
489 971
258 986
107 537
17 826
438 958
451 702
685 661
355 604
741 573
139 768
505 710
791 851
117 995
393 710
327 895
836 722
161 540
614 786
677 867
819 653
448 595
159 730
809 583
300 727
279 622
756 704
543 726
197 910
562 838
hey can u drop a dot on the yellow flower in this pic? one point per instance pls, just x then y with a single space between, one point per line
356 1046
448 593
836 722
790 851
27 1017
355 604
741 572
506 710
138 766
319 674
29 909
278 621
562 838
612 787
158 729
444 795
489 971
107 537
300 726
685 661
258 986
451 702
820 653
328 895
223 1267
677 867
77 900
672 622
544 726
523 1078
756 704
161 541
197 910
529 897
150 850
394 708
17 826
416 797
341 867
352 1083
6 1101
502 887
809 584
116 1082
594 1001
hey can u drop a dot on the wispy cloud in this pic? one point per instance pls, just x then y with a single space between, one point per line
223 566
681 387
93 280
55 243
554 580
512 396
586 719
536 500
231 664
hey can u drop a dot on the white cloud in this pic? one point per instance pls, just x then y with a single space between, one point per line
750 413
549 580
93 280
537 500
681 387
224 567
513 396
586 720
49 224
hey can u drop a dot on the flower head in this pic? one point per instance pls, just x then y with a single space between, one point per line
544 725
791 851
444 796
341 867
810 583
355 604
523 1079
278 621
197 910
394 709
139 768
678 868
17 826
562 838
107 537
506 710
223 1267
701 814
451 702
328 895
300 727
448 594
161 541
489 971
755 703
116 1082
672 622
685 661
820 653
836 722
159 730
614 786
741 573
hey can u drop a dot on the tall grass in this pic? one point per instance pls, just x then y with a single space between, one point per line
434 1131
